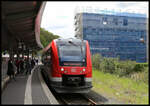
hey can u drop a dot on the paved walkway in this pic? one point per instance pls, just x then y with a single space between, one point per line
28 89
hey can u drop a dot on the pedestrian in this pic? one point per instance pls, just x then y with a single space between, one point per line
28 66
37 61
17 65
21 66
32 63
10 71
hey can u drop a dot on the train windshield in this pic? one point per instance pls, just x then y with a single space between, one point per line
72 55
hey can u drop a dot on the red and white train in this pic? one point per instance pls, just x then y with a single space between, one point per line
69 69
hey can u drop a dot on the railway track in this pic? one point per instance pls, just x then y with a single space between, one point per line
92 102
75 99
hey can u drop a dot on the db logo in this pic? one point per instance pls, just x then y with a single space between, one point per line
73 70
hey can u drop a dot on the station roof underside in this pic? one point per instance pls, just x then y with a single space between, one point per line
19 21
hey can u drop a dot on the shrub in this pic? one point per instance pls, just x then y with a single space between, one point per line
140 67
146 75
109 65
141 76
128 68
96 60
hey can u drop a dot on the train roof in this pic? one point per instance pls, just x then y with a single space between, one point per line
67 41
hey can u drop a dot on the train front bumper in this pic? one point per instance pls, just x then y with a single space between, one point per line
58 87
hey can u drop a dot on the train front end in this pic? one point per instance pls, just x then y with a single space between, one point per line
72 67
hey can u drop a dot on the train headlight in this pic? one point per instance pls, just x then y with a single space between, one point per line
84 69
62 69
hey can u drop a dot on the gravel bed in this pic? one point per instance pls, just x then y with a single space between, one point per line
100 99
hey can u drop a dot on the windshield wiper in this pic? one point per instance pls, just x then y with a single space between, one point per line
77 45
72 43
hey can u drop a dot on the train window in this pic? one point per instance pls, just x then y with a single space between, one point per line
72 53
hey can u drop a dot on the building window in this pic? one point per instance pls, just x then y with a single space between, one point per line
115 21
104 20
125 22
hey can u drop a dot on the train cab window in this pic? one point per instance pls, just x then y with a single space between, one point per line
70 51
72 54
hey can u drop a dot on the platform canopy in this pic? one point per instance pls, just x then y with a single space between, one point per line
21 22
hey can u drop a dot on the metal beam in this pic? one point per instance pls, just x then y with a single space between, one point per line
30 29
22 22
27 33
11 11
38 23
21 15
25 27
15 3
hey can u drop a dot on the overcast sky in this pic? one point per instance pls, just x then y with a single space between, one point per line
58 17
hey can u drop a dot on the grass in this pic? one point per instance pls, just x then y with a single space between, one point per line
123 89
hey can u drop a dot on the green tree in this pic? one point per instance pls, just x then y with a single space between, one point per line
46 37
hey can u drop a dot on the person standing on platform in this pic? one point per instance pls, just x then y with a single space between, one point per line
21 66
10 71
28 66
17 65
37 61
32 63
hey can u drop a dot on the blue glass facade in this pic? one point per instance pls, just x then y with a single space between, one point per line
113 35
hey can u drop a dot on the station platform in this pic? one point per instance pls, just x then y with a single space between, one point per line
28 89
